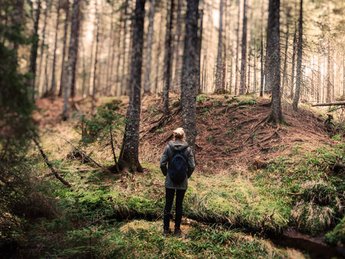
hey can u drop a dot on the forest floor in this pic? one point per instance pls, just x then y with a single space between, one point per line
253 184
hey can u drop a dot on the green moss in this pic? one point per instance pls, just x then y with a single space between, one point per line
337 235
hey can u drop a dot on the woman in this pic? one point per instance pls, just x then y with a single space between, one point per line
177 165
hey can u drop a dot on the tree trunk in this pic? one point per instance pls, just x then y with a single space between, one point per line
150 34
178 47
343 97
294 50
72 58
53 82
189 80
285 77
244 49
168 56
42 47
299 58
95 65
237 44
129 156
34 47
328 80
219 65
159 50
64 51
273 60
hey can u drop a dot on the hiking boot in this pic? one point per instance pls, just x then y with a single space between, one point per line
166 232
178 232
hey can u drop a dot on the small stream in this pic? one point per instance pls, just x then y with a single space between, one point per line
314 247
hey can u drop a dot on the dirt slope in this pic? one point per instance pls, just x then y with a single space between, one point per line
232 132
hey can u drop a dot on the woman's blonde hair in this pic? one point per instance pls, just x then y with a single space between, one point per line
179 134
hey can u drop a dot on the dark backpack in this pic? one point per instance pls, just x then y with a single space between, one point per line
178 167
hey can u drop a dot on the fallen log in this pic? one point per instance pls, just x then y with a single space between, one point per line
329 104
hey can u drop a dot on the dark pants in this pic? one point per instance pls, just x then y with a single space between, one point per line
169 200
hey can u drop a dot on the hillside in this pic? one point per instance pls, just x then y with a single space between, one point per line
253 182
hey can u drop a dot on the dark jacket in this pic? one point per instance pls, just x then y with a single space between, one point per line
167 156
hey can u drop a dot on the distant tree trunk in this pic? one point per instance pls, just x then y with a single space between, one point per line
247 89
34 47
219 65
262 64
254 68
328 80
285 76
43 45
53 82
178 47
294 51
244 49
318 83
299 58
189 80
124 49
64 51
343 76
111 54
168 56
95 65
262 61
72 58
237 45
273 60
159 50
150 33
129 156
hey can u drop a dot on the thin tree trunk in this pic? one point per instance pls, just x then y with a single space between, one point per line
294 50
64 51
219 65
168 56
34 47
178 47
95 65
299 58
159 50
53 82
129 156
42 47
244 49
285 76
150 34
237 45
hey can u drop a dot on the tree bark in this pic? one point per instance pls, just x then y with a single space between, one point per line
294 48
285 80
237 45
64 51
34 47
189 80
168 56
244 50
53 82
150 34
273 60
219 66
299 58
129 156
70 68
178 47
